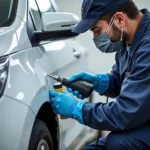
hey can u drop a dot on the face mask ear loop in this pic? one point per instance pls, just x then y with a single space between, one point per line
121 35
111 24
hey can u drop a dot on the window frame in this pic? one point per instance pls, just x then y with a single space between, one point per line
33 22
12 17
54 5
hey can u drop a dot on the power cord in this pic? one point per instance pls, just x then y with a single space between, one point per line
100 132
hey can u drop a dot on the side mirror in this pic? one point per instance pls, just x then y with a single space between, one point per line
56 25
57 21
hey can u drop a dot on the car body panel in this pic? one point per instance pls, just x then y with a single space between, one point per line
8 41
22 36
28 70
33 65
14 38
22 9
15 129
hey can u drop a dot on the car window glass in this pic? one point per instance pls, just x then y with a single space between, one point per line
7 11
38 7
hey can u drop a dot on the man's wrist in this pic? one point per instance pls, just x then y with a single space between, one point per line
103 83
77 113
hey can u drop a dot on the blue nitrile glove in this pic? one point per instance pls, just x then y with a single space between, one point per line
99 81
66 105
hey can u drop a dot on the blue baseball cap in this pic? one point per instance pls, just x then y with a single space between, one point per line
92 10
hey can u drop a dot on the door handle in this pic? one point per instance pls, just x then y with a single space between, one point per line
77 54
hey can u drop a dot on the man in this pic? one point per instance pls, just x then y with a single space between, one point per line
118 26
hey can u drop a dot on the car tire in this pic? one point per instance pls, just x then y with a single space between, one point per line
40 137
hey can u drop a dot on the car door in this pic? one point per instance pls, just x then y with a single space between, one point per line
64 58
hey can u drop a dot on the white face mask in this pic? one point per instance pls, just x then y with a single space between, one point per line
104 44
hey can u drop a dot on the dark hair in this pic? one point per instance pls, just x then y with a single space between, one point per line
129 8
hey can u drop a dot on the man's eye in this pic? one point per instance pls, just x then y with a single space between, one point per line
97 31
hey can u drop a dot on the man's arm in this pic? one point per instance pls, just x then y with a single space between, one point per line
114 80
132 107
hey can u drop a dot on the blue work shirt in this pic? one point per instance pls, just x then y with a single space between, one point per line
129 84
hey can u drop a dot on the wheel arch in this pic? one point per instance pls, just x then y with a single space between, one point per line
46 114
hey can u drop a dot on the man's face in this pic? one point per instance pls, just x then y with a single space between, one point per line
101 26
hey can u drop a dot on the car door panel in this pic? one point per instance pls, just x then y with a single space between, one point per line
71 128
60 56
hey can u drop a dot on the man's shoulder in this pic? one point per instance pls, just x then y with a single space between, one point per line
144 47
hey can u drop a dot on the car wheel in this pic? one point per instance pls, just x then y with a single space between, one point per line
40 137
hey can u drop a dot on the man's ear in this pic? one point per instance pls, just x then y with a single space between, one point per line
119 19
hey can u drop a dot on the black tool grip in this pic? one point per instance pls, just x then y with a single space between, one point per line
83 87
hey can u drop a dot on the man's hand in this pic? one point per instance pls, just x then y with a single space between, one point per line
66 105
99 81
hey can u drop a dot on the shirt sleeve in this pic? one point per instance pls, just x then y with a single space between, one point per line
132 107
114 80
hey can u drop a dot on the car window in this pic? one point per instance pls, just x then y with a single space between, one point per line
7 11
38 7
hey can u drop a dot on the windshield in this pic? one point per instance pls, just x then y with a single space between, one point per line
7 12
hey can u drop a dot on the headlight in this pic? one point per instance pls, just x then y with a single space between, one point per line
3 73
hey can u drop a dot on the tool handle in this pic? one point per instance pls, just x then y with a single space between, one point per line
83 87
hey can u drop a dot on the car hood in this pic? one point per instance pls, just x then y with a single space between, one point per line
8 41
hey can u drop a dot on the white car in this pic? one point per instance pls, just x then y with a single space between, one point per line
36 39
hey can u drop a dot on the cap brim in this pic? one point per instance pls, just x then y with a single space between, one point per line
84 25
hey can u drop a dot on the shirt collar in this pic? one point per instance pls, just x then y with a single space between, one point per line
128 49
